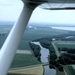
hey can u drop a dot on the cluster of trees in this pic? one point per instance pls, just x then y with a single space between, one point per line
45 43
64 59
56 64
69 50
51 49
53 56
36 50
53 63
67 58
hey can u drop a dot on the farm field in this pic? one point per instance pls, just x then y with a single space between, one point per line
66 44
31 70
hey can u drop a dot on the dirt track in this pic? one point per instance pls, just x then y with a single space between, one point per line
23 52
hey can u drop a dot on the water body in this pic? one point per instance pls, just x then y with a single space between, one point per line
65 28
44 58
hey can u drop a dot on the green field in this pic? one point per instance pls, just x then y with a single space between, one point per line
65 45
22 60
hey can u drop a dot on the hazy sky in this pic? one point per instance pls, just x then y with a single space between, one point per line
11 9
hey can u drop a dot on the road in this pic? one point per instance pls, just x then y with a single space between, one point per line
68 70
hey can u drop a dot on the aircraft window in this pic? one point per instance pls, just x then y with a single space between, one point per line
48 43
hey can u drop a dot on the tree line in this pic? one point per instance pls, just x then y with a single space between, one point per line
68 50
36 50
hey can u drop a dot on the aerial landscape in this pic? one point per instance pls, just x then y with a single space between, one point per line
42 48
37 37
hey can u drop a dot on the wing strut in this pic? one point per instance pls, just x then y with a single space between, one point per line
10 46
